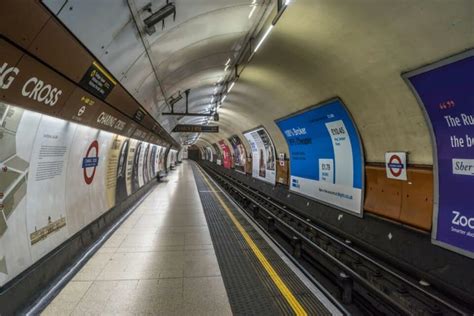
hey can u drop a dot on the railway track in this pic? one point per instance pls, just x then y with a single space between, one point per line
367 286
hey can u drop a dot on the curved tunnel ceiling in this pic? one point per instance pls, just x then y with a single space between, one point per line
355 50
189 52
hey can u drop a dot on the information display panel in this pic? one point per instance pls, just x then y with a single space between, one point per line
263 155
326 158
445 92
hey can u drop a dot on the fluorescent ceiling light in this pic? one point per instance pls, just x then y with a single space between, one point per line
226 67
228 62
287 2
223 99
252 11
263 38
231 86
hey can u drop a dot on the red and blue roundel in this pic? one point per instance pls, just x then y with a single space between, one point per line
90 162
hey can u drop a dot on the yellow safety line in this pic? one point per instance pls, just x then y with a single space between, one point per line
104 72
290 298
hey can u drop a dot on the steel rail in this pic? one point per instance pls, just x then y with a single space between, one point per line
353 273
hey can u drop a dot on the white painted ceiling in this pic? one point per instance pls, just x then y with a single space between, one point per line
190 52
319 49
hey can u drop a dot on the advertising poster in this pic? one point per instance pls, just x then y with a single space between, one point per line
326 157
46 217
202 153
226 155
137 167
101 183
168 159
141 164
131 158
445 93
263 155
17 136
153 162
112 165
218 156
209 156
81 174
56 177
146 161
121 175
240 154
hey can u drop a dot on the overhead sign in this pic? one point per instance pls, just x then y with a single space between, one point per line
190 128
263 155
326 158
445 93
81 107
139 115
97 81
396 165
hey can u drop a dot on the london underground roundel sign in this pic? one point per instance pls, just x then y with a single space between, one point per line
396 165
90 162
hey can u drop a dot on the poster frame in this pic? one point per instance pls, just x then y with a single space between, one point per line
250 146
406 77
361 147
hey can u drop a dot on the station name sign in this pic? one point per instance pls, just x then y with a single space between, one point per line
190 128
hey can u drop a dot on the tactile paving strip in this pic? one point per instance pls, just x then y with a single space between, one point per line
250 289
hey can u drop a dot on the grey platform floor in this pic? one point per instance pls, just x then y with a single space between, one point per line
160 261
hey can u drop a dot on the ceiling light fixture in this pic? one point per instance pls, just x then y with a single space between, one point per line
228 62
231 86
252 11
226 67
263 38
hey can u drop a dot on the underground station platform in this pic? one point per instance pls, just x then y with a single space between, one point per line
237 157
187 249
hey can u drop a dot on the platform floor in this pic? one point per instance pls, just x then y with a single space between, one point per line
162 261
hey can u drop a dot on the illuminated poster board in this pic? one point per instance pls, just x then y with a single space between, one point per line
87 171
226 155
263 155
218 156
445 91
240 154
209 154
326 158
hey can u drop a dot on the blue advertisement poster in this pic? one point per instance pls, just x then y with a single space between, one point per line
445 91
326 158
